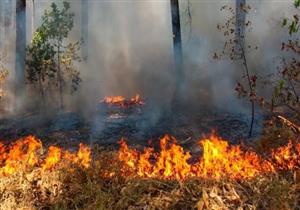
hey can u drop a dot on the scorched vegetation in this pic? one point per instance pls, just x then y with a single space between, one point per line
222 177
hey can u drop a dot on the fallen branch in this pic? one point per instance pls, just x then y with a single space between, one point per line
295 128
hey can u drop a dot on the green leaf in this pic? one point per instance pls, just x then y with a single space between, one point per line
281 84
284 22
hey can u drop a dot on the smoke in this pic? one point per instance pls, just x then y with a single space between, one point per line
7 55
212 82
130 51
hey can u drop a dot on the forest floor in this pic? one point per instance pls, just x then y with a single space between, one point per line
72 187
107 128
102 186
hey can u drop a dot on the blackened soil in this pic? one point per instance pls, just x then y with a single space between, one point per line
138 126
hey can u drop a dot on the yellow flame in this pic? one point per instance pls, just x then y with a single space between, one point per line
122 101
27 154
218 160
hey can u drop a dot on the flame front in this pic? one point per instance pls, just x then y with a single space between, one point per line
27 154
218 160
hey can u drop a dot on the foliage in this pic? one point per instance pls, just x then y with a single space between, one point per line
50 63
235 49
274 135
285 86
287 89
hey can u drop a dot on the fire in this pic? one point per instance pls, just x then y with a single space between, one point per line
53 157
113 99
122 101
287 157
20 155
218 160
27 154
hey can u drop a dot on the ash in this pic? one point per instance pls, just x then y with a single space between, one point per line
108 124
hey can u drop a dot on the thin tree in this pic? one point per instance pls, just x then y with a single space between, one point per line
84 28
33 16
1 23
7 16
20 46
240 21
177 43
240 25
234 49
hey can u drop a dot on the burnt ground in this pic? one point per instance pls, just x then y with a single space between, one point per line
137 125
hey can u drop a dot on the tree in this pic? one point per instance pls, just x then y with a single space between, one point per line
287 86
177 43
7 15
20 46
235 50
85 28
2 25
50 57
240 21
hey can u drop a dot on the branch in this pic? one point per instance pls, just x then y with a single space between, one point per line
295 128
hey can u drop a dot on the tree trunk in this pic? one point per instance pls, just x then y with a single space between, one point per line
2 27
177 44
7 16
84 28
60 79
33 17
20 46
240 22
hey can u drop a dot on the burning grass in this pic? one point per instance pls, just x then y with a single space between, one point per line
218 160
224 177
122 101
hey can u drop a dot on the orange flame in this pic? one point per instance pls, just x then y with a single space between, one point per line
287 157
27 154
122 101
113 99
218 160
21 154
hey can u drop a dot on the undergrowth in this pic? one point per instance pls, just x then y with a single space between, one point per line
102 187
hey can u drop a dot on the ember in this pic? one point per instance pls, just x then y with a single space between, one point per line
218 160
122 101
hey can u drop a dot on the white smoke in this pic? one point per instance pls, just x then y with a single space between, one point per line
130 49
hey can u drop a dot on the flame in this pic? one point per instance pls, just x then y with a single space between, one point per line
218 160
27 154
53 157
21 154
113 99
122 101
287 157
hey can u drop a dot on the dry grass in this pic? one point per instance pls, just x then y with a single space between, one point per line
102 187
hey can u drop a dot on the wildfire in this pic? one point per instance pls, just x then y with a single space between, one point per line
218 160
27 154
122 101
